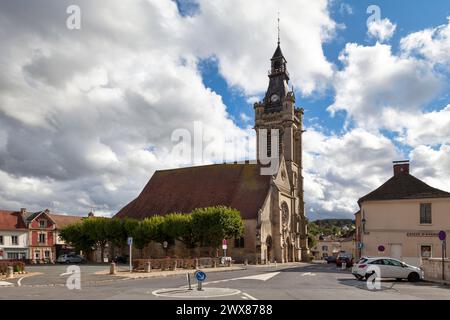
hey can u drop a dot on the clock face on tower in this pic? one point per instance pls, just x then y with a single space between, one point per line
274 98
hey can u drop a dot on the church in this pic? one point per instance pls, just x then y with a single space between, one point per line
271 205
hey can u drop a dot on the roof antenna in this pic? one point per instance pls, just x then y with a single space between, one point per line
278 27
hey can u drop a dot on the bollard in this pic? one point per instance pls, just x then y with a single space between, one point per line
344 265
188 276
275 263
174 265
112 268
214 263
10 272
246 262
229 262
148 267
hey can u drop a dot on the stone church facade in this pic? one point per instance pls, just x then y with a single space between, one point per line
272 206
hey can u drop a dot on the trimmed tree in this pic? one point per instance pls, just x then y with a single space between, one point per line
213 224
96 229
147 230
179 226
75 235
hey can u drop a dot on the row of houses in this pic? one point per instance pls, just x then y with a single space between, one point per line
33 236
327 246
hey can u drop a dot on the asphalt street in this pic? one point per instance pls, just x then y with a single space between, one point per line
303 282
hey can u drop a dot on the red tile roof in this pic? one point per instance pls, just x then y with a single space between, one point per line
62 220
11 220
240 186
404 186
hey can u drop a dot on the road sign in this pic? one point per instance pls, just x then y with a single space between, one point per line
360 245
130 241
381 248
200 276
224 242
442 235
224 247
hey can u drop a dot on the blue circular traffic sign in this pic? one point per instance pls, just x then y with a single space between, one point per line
442 235
200 276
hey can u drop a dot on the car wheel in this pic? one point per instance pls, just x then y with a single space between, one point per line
368 275
413 277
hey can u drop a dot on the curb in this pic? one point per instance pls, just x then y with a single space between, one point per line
156 275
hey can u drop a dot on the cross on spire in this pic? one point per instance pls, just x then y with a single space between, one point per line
278 27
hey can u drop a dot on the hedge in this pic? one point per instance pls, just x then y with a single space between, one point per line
18 266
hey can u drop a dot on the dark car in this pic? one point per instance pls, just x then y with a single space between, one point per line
348 259
120 259
330 259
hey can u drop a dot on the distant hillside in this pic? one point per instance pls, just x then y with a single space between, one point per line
336 227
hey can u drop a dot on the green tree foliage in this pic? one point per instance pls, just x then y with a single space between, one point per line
76 236
207 225
96 228
180 227
335 227
213 224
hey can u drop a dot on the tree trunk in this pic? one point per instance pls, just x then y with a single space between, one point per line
102 252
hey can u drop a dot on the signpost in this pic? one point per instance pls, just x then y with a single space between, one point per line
200 276
442 237
130 244
224 247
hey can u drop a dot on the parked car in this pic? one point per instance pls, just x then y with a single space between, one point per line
330 259
344 257
70 258
120 259
389 268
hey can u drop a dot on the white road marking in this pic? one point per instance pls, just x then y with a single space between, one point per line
249 296
19 282
263 277
244 297
308 274
5 284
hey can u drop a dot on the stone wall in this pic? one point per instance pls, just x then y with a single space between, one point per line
432 268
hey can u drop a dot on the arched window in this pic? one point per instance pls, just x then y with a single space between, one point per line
284 214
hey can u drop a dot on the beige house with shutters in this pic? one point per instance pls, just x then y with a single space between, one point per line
402 219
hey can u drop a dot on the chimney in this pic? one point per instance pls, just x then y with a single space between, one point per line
23 211
401 167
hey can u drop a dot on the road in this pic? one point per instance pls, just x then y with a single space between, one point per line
303 282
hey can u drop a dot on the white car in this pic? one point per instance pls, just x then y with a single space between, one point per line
388 268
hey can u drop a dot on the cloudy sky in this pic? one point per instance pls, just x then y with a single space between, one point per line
87 115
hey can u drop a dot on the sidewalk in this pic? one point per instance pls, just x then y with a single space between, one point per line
161 274
157 273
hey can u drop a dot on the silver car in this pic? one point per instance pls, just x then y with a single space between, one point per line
70 258
386 267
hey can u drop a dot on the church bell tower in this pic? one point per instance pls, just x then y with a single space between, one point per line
278 111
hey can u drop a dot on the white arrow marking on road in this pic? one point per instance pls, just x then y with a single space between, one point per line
5 284
308 274
263 277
